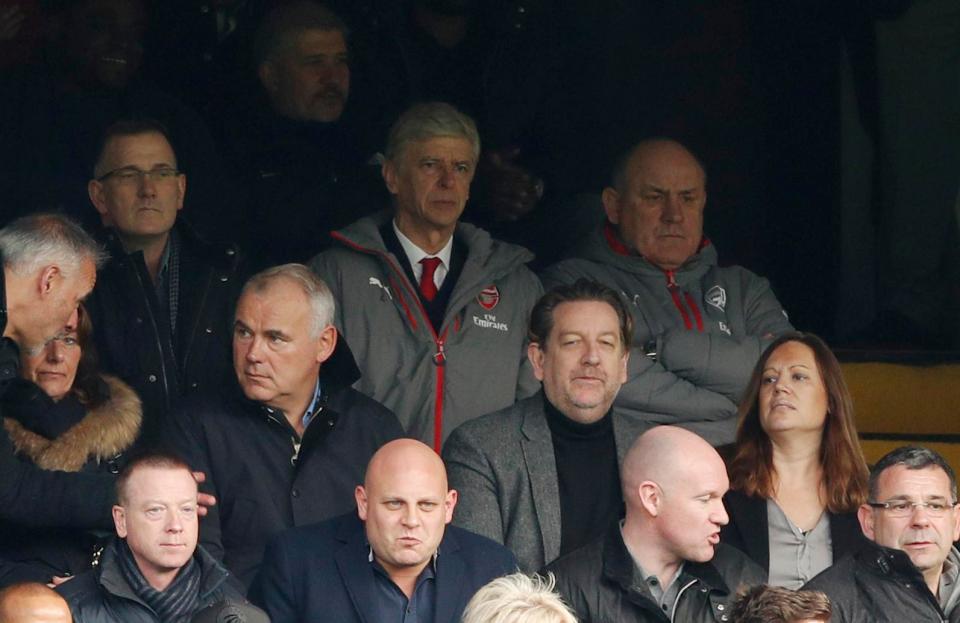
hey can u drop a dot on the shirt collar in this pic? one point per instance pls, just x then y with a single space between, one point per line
433 559
415 253
314 407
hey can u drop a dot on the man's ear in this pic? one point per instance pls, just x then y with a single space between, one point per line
865 515
120 521
181 189
389 173
535 355
360 495
50 277
611 204
326 343
267 73
449 504
651 497
98 199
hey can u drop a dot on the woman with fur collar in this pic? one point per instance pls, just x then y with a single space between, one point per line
64 415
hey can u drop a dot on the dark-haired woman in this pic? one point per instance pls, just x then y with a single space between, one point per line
798 474
64 415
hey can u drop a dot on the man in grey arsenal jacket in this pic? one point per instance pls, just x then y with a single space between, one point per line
434 310
700 328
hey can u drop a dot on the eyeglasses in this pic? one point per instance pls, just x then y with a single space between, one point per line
906 508
133 175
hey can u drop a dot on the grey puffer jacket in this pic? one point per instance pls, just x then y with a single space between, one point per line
880 585
102 595
434 380
603 585
708 326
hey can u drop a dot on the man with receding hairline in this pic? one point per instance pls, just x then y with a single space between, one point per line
153 570
32 603
700 328
161 306
664 562
395 559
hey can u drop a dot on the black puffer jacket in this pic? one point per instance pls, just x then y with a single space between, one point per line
103 595
265 477
880 585
602 584
134 343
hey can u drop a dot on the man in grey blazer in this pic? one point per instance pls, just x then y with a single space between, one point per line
542 476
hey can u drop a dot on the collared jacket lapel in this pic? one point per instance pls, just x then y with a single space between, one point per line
355 570
541 466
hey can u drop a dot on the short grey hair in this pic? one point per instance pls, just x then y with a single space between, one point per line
422 122
282 25
32 242
911 457
318 294
518 598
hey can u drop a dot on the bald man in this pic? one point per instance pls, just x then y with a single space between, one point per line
395 559
664 562
32 603
699 328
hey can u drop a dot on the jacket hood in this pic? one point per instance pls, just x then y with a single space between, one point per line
104 432
487 257
604 246
222 256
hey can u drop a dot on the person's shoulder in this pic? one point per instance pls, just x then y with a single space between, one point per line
349 402
830 579
736 567
585 561
327 535
478 550
504 422
81 589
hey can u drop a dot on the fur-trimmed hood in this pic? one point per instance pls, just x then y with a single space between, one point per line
103 433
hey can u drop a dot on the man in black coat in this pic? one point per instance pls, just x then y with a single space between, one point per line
287 446
664 562
301 147
910 571
154 571
48 266
400 559
162 306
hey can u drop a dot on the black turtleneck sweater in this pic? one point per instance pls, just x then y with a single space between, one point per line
588 477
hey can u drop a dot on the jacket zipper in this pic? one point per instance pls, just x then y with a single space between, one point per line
674 290
439 357
156 332
673 611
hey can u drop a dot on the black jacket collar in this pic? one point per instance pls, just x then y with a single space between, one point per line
618 567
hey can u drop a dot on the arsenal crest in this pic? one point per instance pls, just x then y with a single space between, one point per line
489 297
717 297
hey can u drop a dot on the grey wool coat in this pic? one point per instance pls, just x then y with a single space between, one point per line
504 469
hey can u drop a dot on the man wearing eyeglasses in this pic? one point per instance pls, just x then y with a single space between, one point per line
912 572
162 306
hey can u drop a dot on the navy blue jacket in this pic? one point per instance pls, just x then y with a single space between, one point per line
322 573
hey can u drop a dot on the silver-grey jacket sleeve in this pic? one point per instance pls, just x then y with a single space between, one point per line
470 473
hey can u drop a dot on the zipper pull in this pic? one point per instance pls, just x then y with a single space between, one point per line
671 279
439 358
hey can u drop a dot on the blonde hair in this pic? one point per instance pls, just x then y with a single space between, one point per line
518 598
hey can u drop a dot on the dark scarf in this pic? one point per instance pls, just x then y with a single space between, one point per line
178 602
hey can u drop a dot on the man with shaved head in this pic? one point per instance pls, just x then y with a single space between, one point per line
394 559
664 562
32 603
699 328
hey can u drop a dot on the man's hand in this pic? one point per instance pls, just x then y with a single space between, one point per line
57 580
510 191
204 500
11 19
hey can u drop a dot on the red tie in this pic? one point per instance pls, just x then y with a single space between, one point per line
428 288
